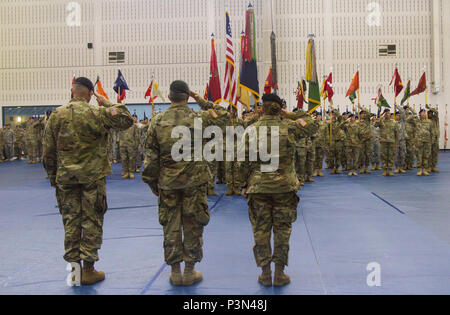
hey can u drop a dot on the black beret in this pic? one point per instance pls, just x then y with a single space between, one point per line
84 82
387 110
272 98
180 87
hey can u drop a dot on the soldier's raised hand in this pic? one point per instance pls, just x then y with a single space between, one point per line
195 96
101 99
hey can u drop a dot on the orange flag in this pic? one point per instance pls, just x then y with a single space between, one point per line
100 90
354 86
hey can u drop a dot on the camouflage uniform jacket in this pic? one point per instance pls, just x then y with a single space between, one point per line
9 137
76 141
424 131
283 179
2 138
365 130
20 136
353 134
388 130
130 137
401 125
160 169
411 126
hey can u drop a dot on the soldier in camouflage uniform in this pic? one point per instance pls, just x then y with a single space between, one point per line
8 146
300 159
400 152
388 139
411 126
20 141
181 186
336 146
435 138
310 156
320 144
366 141
375 158
40 126
140 150
2 142
352 143
31 141
423 143
232 167
76 161
272 197
129 142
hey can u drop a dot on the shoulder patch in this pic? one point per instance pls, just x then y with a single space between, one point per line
301 122
213 113
114 111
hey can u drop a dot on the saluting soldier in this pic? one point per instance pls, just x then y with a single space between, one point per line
388 139
76 161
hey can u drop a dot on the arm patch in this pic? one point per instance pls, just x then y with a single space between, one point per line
213 113
301 122
114 111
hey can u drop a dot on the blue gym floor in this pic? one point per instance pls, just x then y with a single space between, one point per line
344 224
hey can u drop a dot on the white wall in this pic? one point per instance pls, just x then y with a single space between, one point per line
171 40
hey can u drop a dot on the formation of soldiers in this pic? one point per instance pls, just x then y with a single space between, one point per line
81 142
24 141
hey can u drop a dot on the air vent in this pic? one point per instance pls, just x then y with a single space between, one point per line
116 57
387 50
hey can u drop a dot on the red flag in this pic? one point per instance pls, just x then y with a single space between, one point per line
215 93
354 86
269 82
421 87
329 87
398 85
122 96
300 94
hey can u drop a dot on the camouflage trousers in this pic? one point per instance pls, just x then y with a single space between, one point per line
310 158
400 154
128 157
139 157
387 151
434 159
375 156
8 149
352 155
220 171
300 163
82 208
318 162
423 154
212 169
267 213
32 150
232 174
183 213
18 150
335 154
365 154
115 151
1 151
410 153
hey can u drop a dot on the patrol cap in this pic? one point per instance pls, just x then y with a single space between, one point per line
387 110
422 110
179 87
84 82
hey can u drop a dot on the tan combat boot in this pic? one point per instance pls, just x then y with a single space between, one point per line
266 277
403 171
378 168
176 278
374 168
131 175
333 171
385 172
367 171
236 191
435 170
125 175
390 172
425 172
350 174
419 172
230 192
321 173
280 278
89 275
397 171
211 192
315 174
310 179
191 276
138 170
362 170
355 173
338 172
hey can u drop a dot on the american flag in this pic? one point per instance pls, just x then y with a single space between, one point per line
230 95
